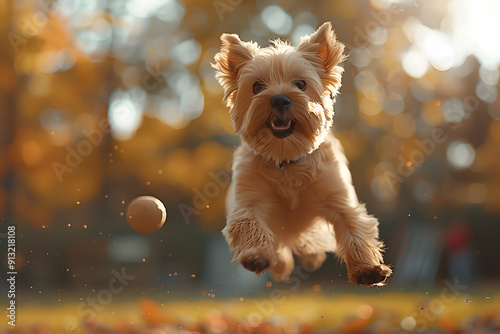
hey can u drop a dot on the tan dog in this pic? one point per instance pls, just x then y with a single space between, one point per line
291 183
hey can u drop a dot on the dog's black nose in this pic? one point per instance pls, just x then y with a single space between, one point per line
280 103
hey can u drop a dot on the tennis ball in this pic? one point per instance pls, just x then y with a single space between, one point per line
146 214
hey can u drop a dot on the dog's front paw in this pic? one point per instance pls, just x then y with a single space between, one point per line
370 275
255 259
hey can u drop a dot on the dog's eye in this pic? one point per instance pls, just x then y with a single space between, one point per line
301 84
258 87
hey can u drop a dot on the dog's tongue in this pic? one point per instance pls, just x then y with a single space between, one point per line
278 124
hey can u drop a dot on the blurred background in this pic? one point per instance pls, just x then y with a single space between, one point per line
103 101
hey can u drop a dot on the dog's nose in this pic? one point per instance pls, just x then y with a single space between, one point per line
280 103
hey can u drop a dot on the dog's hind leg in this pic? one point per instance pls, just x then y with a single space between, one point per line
313 244
284 267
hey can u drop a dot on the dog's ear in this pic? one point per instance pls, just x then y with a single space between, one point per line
325 52
233 55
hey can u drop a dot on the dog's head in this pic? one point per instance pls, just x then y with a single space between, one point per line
281 97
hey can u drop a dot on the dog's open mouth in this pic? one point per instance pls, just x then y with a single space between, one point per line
281 128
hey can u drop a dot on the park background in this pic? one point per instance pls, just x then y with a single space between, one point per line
103 101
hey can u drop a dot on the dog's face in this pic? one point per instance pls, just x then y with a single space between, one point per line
281 97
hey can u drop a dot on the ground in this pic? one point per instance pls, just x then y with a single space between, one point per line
279 313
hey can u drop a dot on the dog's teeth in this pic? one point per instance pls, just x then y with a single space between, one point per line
282 127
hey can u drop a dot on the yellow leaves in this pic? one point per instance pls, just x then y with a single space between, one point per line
188 168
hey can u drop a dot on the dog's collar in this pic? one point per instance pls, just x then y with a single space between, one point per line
283 163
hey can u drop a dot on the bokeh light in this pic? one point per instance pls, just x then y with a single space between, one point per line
415 63
277 20
125 112
460 155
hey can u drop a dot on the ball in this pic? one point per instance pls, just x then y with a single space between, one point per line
146 214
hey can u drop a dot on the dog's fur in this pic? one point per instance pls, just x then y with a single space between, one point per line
291 188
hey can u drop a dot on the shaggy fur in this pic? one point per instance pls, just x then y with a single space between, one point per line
292 193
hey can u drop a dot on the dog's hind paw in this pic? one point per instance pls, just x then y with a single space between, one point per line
370 275
255 259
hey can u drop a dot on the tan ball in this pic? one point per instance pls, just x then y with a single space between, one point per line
146 214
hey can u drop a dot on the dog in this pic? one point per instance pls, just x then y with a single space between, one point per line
291 189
